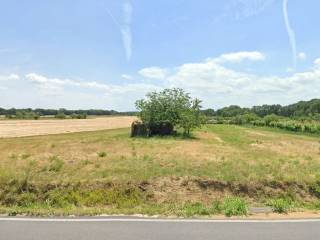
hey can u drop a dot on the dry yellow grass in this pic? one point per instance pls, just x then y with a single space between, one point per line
220 161
23 128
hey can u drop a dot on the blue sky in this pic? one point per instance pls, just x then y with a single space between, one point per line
108 53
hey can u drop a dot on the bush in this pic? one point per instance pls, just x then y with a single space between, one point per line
60 115
234 206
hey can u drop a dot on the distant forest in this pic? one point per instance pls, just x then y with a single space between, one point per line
54 112
301 109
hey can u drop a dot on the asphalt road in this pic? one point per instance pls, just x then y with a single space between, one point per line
146 229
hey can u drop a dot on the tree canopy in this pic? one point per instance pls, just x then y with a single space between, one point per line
170 106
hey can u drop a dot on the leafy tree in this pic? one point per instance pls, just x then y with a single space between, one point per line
170 106
60 115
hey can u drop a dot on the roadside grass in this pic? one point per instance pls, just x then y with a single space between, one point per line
220 170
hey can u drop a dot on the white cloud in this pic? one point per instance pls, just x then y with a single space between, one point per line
127 76
302 56
317 62
213 81
9 77
237 57
154 73
116 96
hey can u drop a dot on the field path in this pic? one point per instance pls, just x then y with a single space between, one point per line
22 128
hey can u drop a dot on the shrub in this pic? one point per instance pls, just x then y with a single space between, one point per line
280 205
234 206
60 115
271 118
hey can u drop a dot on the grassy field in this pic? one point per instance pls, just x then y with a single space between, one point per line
222 169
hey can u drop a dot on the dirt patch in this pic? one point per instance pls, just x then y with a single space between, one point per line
23 128
183 189
209 136
255 133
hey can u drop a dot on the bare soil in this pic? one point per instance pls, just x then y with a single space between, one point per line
23 128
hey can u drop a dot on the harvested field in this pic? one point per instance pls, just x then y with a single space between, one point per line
23 128
108 172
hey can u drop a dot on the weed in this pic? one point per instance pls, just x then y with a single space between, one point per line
280 205
102 154
25 156
234 206
196 209
56 164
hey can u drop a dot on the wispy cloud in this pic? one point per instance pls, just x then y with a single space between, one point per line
237 57
9 77
127 76
291 34
44 82
126 28
248 8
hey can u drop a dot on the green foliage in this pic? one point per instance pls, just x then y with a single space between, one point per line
170 106
271 118
60 115
234 206
56 164
24 114
310 109
196 209
232 111
78 116
280 205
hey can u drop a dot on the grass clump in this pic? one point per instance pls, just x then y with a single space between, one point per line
196 209
280 205
102 154
56 164
234 206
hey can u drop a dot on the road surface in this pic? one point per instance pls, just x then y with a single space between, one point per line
151 229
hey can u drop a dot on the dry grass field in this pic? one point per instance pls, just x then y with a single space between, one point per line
108 172
22 128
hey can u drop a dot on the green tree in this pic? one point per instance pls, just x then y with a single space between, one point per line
191 117
170 106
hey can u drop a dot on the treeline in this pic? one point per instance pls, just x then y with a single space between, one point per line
303 116
302 109
28 113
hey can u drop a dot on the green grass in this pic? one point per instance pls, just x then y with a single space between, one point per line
281 205
220 170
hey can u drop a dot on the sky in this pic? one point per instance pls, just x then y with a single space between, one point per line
106 54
